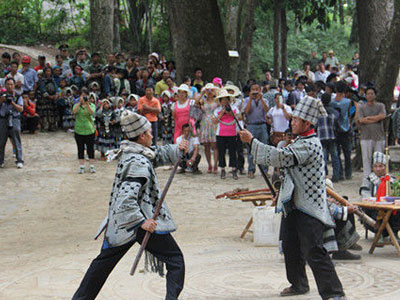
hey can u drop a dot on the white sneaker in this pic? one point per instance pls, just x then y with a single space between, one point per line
2 166
20 165
91 169
81 170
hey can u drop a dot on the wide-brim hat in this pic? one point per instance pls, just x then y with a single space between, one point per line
224 94
234 88
210 86
184 87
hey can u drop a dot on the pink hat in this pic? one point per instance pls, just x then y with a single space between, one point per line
218 81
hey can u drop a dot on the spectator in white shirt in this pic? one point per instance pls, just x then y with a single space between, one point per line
278 117
18 78
307 71
192 158
322 74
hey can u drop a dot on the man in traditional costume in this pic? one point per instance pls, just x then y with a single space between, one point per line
133 201
307 225
345 231
375 186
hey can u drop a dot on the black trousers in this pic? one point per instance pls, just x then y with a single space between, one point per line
223 143
187 157
163 246
239 153
30 124
81 141
302 241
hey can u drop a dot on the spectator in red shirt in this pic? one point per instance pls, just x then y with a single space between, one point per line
30 119
42 63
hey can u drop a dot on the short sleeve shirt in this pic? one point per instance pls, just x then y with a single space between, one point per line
374 131
154 102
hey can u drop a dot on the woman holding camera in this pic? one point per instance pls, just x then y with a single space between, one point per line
224 117
84 130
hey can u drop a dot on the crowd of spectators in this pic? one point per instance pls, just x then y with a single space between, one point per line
81 95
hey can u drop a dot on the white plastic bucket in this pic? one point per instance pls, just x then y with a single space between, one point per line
266 224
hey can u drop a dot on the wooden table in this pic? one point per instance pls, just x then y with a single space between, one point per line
385 211
257 200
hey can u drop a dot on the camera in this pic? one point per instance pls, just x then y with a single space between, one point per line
9 99
228 108
85 98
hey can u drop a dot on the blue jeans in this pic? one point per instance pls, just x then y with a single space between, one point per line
343 142
260 132
330 148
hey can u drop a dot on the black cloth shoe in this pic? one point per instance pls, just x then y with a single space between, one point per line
291 291
223 174
234 174
356 247
345 255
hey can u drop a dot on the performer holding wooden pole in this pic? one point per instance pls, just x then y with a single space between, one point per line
307 225
134 198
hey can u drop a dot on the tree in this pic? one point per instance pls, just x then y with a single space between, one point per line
206 48
284 31
389 66
246 42
116 21
102 25
277 35
374 18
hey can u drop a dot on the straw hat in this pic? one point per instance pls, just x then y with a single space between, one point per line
224 94
234 88
184 87
209 86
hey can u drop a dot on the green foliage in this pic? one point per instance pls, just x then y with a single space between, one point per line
299 44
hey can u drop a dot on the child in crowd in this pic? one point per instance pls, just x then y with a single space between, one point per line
132 101
105 119
119 108
69 101
167 119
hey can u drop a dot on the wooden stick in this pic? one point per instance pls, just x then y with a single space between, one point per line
156 213
363 216
230 194
259 166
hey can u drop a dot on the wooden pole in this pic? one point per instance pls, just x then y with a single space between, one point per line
156 213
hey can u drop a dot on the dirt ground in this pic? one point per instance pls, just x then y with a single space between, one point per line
49 215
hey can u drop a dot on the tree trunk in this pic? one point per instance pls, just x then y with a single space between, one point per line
206 47
232 28
277 26
341 12
374 19
390 62
354 29
102 26
136 14
284 31
231 25
117 22
246 43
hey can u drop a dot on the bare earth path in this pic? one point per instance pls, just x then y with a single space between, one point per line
49 214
